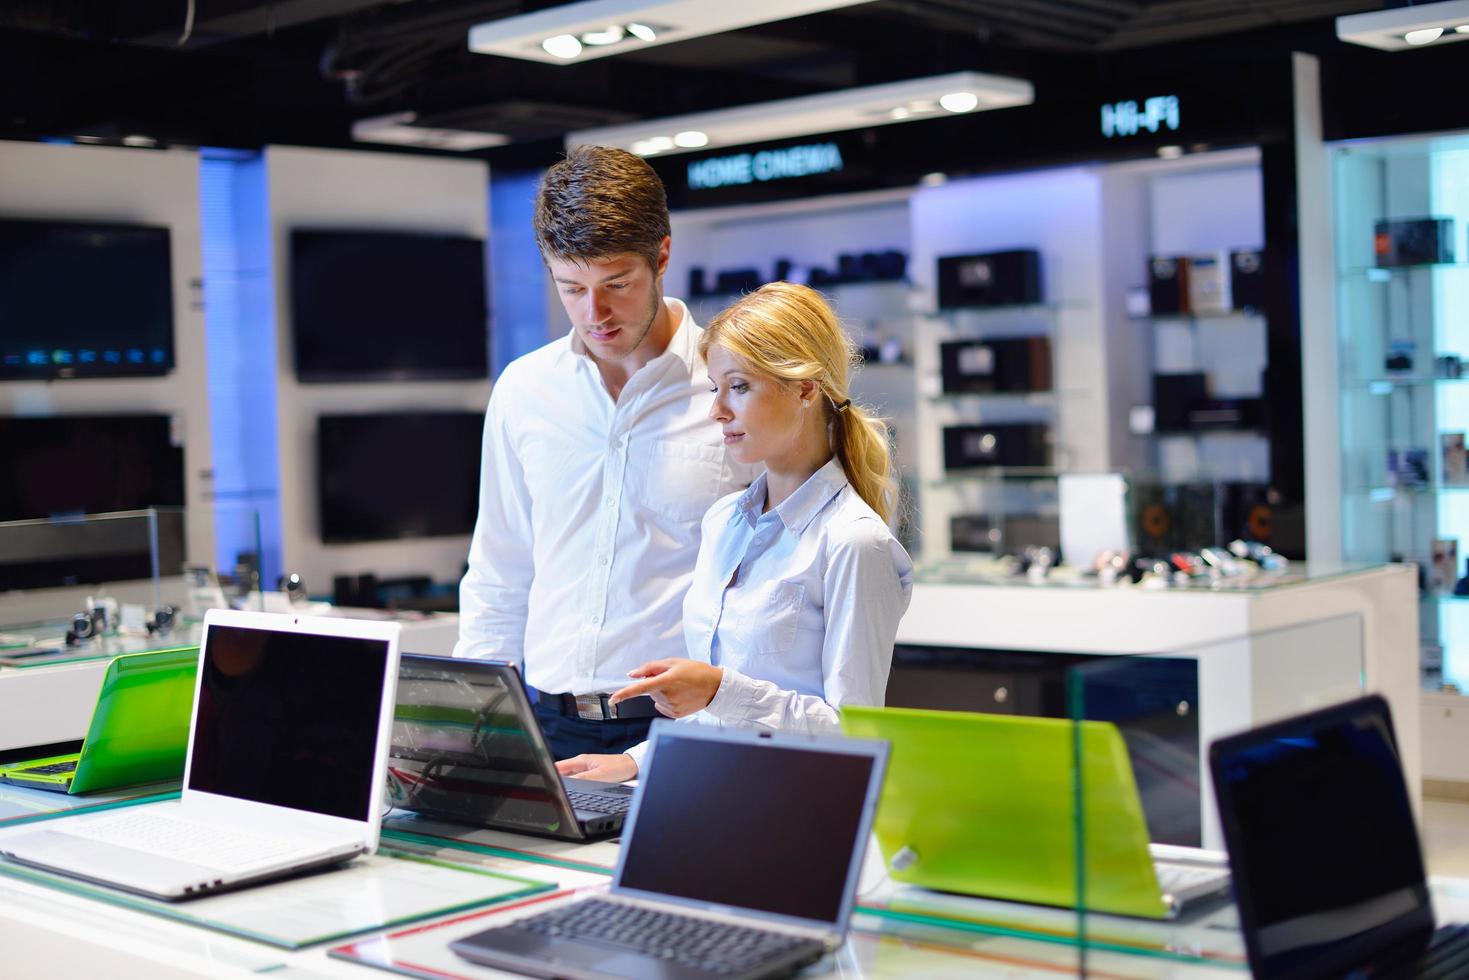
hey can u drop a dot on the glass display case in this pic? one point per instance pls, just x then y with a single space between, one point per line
1403 327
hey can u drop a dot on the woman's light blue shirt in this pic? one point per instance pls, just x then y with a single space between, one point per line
800 606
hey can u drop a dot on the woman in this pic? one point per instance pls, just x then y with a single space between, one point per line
799 584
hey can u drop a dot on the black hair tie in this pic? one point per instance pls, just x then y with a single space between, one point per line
843 406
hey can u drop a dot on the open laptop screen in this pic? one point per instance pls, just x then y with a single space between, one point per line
465 746
766 826
289 719
1322 843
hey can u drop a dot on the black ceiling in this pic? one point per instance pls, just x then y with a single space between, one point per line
252 72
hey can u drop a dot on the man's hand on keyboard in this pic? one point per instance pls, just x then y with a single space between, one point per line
601 768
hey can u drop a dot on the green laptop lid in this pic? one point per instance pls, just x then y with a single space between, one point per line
140 727
985 805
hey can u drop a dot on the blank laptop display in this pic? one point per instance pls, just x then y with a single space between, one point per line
740 860
1328 871
289 720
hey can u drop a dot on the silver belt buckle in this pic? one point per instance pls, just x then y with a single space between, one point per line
591 707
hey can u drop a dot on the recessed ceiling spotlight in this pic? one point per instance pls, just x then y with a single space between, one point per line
88 139
691 139
935 179
1425 36
610 34
1462 29
562 46
642 32
959 101
1170 152
901 112
146 141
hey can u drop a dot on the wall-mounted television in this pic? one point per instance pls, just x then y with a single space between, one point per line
369 305
84 300
407 475
60 467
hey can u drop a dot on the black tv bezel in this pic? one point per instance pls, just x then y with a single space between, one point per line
318 375
320 474
101 370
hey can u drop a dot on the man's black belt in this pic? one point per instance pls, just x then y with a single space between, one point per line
594 707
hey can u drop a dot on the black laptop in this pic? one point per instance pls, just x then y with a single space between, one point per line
467 748
740 862
1323 850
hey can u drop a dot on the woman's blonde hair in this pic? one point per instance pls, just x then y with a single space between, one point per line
788 332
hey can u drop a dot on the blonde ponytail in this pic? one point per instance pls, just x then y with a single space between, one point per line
789 332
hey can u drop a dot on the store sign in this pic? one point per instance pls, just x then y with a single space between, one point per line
766 165
1158 114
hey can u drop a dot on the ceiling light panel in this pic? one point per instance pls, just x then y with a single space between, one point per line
399 129
831 112
577 32
1424 25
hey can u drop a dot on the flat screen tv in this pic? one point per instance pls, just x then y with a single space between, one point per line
410 475
58 468
84 300
369 305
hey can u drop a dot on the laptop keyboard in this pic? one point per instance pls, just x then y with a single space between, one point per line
209 845
694 943
1447 956
599 803
55 769
1182 879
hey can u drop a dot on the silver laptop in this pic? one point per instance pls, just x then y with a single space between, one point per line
467 748
285 768
740 860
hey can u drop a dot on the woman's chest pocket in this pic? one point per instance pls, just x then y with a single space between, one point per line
676 478
764 623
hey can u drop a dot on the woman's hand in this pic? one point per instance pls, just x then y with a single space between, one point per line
601 768
677 686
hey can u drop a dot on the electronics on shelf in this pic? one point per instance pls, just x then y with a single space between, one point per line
1009 278
1012 444
387 305
85 300
1005 365
1413 241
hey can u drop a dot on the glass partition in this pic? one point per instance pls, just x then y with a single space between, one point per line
90 587
1147 831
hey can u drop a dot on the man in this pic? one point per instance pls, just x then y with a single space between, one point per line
599 461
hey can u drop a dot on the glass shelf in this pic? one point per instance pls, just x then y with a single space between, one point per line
1203 317
1042 398
1385 494
1384 385
1011 309
1386 273
727 296
995 473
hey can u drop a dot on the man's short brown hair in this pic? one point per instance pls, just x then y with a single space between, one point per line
600 202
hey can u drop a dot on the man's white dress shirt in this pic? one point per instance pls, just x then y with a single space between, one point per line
800 606
589 513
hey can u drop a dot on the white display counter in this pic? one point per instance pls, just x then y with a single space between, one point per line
1264 650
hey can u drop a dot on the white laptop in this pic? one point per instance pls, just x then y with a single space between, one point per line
285 769
740 860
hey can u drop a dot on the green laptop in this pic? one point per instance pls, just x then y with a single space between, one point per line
139 731
985 805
